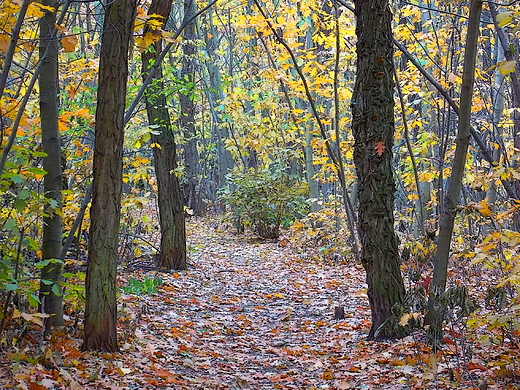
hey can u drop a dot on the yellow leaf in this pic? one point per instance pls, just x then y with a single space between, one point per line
404 319
507 67
483 208
504 18
4 42
37 10
157 16
144 42
69 43
154 23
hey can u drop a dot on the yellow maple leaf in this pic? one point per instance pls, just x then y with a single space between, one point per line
146 41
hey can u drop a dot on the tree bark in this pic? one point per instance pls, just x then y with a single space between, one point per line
449 210
101 305
50 293
171 207
373 128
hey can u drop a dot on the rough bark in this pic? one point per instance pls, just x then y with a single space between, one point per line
50 294
373 128
101 305
454 186
171 208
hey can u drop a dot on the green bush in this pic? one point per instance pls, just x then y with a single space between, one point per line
146 287
263 200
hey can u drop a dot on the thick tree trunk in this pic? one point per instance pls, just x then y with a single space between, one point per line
191 183
50 294
449 209
373 127
101 305
171 207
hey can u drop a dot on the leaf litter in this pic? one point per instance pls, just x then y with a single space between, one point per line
250 314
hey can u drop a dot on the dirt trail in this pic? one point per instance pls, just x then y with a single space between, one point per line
253 315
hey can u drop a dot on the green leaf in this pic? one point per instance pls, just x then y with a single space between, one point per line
11 225
17 179
42 264
30 243
37 171
20 205
11 287
56 289
33 300
47 282
24 194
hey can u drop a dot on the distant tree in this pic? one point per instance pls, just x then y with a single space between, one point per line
373 127
191 184
435 314
50 293
171 205
101 305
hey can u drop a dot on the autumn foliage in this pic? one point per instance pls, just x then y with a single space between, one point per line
259 97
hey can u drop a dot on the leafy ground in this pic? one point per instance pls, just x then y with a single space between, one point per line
251 314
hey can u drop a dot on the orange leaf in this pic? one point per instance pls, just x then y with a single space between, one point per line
327 375
282 378
36 386
476 366
69 43
380 148
4 43
72 92
162 373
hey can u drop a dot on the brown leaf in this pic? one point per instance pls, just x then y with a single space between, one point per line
380 148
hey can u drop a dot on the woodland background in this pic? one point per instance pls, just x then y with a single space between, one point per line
250 105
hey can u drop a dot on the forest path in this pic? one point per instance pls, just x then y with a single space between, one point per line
249 314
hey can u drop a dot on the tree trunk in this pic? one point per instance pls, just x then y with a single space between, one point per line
50 293
171 208
191 186
449 210
515 116
101 305
215 95
373 128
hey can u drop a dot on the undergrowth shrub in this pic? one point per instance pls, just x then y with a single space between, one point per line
323 234
263 200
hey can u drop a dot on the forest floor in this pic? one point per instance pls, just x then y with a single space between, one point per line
250 314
